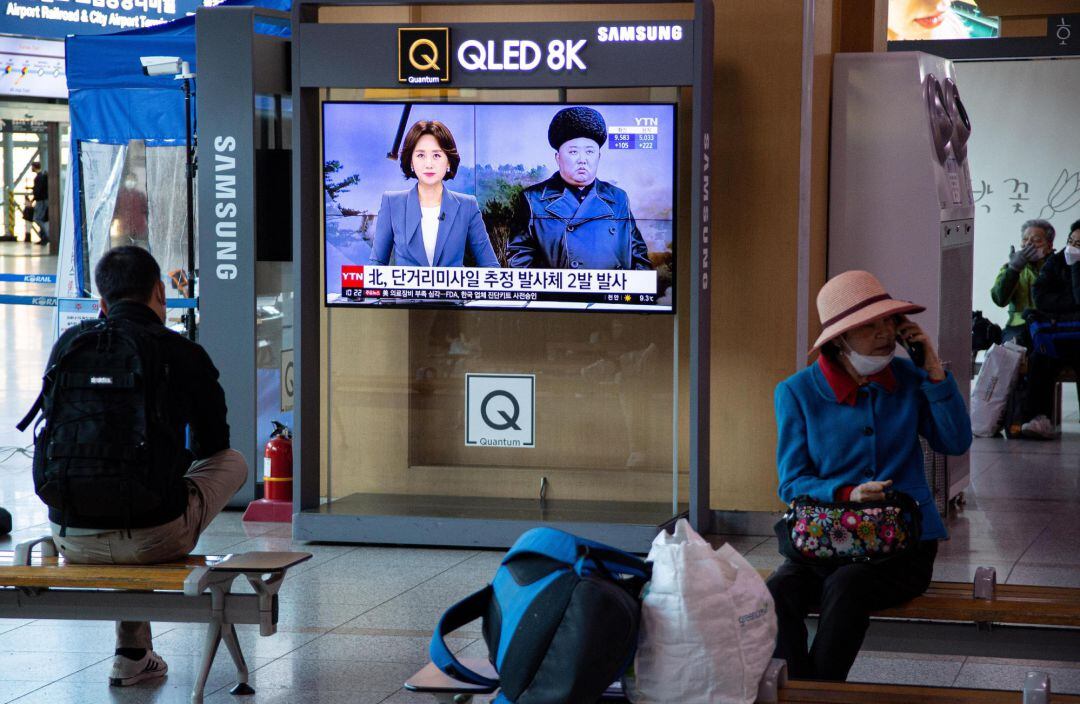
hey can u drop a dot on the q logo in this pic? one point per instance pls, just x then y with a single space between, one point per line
500 410
430 61
422 55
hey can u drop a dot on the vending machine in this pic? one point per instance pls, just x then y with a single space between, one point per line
901 205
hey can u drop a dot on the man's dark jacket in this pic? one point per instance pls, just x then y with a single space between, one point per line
195 399
41 186
552 230
1057 290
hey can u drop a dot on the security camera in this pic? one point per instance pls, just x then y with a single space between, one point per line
161 65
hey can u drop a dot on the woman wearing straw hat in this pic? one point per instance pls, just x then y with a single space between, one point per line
849 430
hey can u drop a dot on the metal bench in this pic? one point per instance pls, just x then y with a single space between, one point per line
776 688
982 602
195 590
1064 377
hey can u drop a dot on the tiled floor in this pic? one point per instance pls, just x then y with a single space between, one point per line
355 621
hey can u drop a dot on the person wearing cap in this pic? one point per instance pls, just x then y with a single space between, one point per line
573 220
849 428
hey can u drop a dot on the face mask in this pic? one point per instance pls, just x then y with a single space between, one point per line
1072 254
867 364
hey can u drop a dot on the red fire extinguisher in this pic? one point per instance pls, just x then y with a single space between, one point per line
277 464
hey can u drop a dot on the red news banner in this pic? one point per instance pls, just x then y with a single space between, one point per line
466 284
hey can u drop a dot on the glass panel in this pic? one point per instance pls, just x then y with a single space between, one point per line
273 279
166 188
102 168
396 407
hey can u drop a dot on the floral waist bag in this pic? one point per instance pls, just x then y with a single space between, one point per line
818 533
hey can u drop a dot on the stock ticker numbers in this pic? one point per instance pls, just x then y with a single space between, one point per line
1015 195
642 135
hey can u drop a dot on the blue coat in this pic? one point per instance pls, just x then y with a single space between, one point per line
397 231
824 445
552 230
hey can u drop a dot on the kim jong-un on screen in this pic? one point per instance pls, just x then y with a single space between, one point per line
573 220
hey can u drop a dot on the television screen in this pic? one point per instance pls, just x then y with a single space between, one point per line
535 206
939 19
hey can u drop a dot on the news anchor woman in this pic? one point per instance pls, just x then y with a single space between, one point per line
428 224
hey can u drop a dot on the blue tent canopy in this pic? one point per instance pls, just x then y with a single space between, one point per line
112 102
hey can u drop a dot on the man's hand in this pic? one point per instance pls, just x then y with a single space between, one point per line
871 491
1018 260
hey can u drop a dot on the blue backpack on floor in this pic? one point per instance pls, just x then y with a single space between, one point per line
560 620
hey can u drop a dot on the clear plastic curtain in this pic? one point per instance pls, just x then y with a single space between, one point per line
102 168
166 191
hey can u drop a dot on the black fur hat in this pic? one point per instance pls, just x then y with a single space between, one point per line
571 123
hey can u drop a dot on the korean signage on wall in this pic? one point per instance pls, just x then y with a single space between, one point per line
59 18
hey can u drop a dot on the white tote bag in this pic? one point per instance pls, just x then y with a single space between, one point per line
708 625
990 396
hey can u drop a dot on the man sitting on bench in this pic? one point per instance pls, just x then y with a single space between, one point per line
122 485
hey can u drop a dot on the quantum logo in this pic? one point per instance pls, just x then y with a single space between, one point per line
423 55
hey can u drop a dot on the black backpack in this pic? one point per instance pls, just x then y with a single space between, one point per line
106 449
983 332
560 620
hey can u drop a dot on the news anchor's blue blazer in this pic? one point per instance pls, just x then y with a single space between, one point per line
397 231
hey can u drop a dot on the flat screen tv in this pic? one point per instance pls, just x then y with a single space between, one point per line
530 206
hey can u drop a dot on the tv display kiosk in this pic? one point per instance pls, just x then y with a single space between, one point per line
433 419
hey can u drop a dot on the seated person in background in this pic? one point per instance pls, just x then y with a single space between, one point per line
189 486
1012 287
849 430
1057 295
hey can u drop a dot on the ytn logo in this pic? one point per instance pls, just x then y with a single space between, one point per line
423 55
352 277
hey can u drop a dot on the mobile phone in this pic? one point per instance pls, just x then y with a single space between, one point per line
914 350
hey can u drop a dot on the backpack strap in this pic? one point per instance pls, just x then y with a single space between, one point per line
614 561
465 611
29 417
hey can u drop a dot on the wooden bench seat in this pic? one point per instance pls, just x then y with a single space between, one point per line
982 601
197 589
1006 604
1013 604
46 572
860 693
776 689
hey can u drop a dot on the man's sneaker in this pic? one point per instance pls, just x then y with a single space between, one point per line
1038 427
126 671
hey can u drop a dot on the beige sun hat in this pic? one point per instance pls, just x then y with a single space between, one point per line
855 298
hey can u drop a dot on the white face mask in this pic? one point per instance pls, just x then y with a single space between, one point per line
867 364
1072 255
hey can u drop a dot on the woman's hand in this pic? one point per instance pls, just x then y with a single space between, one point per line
871 491
911 333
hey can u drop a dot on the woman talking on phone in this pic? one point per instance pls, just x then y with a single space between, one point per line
849 429
428 224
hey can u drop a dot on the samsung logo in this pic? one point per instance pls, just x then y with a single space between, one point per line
225 209
640 33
